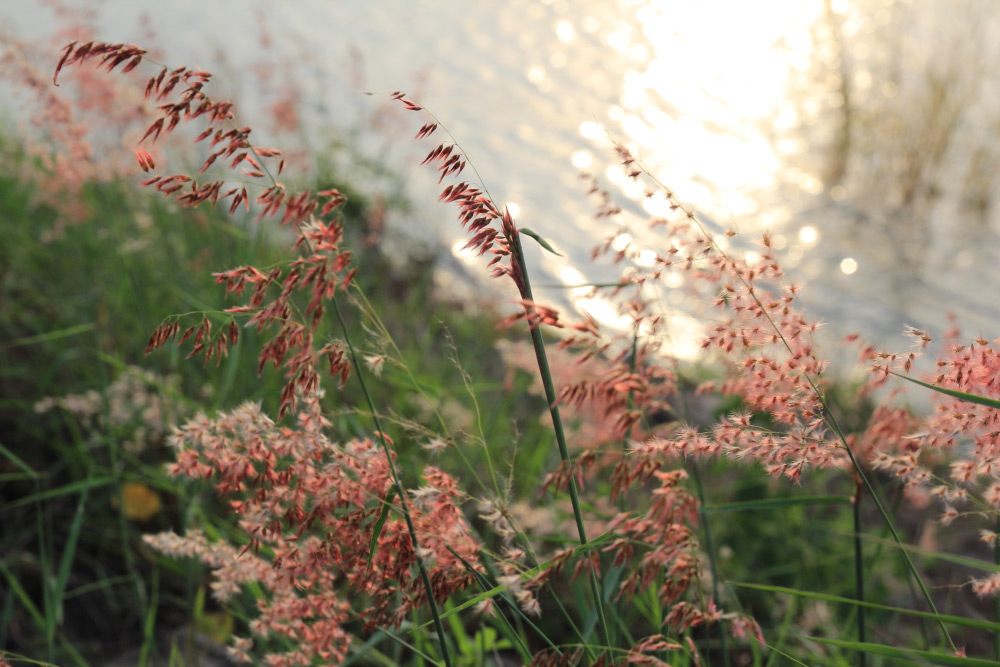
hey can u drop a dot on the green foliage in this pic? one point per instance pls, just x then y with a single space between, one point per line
75 313
78 583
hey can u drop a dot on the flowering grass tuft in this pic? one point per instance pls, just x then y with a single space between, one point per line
341 537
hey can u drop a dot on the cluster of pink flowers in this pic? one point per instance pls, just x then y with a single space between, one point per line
624 390
322 520
962 431
309 510
181 97
61 148
319 515
776 370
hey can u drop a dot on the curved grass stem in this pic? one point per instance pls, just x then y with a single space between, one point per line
830 417
400 491
550 397
859 571
710 547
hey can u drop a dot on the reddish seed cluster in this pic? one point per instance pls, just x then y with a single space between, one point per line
491 231
326 267
662 531
111 55
314 505
777 370
761 334
62 152
964 434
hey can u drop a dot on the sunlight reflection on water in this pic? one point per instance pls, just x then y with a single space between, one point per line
715 97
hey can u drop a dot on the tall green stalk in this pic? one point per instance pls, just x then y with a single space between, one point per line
859 571
996 600
550 397
716 598
835 425
400 491
889 524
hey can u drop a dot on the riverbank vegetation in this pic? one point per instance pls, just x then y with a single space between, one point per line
241 422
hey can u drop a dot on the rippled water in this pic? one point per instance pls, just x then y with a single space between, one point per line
861 134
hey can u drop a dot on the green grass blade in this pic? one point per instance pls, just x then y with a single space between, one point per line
19 463
72 651
461 638
367 650
975 563
6 615
504 624
912 656
497 590
67 489
542 242
373 545
174 659
407 645
960 395
149 626
770 503
947 618
404 507
109 582
545 374
23 596
49 336
69 550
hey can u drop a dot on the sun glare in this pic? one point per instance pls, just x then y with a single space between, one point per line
701 122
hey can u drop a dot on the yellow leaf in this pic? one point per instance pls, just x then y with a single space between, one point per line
139 501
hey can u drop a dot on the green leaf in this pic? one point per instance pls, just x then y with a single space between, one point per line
513 638
66 562
542 242
72 487
149 626
769 503
960 395
373 545
911 656
956 620
975 563
49 336
18 462
23 596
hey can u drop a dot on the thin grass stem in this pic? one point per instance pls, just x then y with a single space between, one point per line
859 572
710 547
830 418
513 634
400 491
892 529
550 397
996 600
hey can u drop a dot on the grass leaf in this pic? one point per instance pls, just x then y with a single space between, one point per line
496 590
23 596
383 515
542 242
64 490
69 550
911 656
960 395
18 462
769 503
50 336
955 620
